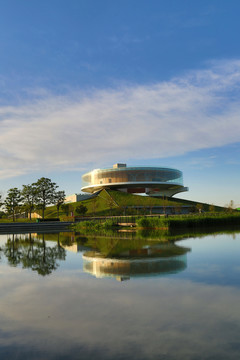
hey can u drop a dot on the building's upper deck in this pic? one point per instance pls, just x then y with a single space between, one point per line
132 175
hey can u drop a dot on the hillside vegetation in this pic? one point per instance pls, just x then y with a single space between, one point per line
112 202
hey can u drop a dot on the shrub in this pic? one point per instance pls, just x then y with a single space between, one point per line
143 222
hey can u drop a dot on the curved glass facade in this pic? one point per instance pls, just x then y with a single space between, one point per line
142 179
132 175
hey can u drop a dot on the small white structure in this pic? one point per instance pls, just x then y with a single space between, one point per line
75 198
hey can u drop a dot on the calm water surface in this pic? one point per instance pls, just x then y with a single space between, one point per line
65 296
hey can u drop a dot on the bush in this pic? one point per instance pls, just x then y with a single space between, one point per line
152 222
110 223
143 222
66 218
81 209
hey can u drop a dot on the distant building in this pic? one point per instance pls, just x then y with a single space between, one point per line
153 181
72 198
76 197
34 215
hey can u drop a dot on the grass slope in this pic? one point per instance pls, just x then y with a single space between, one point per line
112 202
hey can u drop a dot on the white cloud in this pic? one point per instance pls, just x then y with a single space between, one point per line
199 110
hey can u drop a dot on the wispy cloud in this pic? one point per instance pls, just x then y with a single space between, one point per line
196 111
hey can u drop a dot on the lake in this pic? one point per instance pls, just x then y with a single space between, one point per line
73 296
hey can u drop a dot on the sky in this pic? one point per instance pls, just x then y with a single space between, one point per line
88 83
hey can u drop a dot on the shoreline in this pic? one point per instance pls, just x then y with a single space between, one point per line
16 227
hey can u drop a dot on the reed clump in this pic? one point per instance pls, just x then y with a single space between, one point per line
189 221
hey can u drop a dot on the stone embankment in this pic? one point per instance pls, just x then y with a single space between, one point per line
49 226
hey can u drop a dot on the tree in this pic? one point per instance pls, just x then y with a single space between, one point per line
59 198
199 208
67 208
211 208
45 193
230 206
13 201
81 209
178 208
29 194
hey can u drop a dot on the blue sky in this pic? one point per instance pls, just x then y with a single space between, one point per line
85 84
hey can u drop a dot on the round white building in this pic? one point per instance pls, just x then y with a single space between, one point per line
153 181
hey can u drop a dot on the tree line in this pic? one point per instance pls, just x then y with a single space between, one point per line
36 196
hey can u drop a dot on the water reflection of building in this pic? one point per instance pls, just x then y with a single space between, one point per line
75 247
151 261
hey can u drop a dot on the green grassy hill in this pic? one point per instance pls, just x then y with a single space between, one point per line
112 202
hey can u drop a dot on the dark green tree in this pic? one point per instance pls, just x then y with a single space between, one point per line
13 201
211 208
29 194
199 208
45 193
59 198
67 209
81 209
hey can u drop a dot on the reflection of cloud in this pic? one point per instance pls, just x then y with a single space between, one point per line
148 319
197 111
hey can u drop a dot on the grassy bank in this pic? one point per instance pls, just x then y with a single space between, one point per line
194 221
165 223
20 220
92 226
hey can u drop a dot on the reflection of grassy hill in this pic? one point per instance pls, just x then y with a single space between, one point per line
136 249
112 202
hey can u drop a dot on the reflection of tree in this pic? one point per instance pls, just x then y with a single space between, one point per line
61 252
34 254
42 260
66 241
12 251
